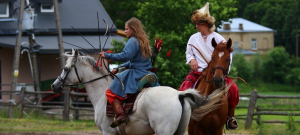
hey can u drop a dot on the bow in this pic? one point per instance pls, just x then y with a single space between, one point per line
104 61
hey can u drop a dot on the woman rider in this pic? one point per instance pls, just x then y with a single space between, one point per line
136 54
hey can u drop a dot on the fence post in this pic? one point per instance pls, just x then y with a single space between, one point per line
258 121
66 110
252 102
21 102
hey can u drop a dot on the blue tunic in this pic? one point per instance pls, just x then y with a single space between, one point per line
136 66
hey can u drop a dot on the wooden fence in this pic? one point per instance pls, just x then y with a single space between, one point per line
266 111
68 105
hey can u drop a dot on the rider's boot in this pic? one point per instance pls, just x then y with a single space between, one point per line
120 113
231 123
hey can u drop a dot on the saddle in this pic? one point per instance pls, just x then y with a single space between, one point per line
147 81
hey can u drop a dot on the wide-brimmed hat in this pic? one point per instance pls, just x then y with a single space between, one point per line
203 16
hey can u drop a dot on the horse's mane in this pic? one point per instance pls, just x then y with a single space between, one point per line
83 58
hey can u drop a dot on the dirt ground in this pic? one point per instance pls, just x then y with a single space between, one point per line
57 133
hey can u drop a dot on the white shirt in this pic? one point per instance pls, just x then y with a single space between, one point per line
206 49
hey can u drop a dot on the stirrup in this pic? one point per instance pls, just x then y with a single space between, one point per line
116 123
234 121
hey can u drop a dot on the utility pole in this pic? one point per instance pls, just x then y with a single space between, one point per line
58 26
15 72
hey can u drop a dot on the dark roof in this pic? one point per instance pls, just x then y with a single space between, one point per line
81 14
49 43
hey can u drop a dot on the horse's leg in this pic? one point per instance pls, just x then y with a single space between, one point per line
166 123
163 109
191 127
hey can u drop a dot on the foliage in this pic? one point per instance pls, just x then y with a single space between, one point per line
261 129
291 127
293 77
118 47
276 65
170 21
280 15
256 65
120 10
243 67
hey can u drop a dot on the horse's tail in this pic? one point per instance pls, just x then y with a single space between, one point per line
204 105
186 109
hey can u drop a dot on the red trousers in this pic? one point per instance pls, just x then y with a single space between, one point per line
112 96
232 95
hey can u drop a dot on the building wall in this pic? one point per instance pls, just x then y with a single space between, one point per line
50 68
264 40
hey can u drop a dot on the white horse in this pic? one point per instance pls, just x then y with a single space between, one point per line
160 110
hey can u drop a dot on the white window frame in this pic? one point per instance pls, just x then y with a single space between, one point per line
254 44
47 10
7 10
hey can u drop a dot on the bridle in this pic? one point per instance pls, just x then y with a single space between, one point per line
63 80
225 72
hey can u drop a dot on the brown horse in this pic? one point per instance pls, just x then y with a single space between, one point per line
213 77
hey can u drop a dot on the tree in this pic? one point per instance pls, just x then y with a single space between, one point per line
276 65
170 21
280 15
242 66
120 10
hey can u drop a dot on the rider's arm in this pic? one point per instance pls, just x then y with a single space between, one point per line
189 54
129 51
125 65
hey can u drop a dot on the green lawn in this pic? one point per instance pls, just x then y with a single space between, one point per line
44 125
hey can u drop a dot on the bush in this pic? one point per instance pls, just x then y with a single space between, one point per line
276 65
256 63
244 70
293 77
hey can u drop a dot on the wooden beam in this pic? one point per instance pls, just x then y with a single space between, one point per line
15 72
59 38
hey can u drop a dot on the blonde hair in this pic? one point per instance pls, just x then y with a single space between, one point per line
139 33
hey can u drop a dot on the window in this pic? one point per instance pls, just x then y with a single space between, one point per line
254 47
236 44
4 10
47 8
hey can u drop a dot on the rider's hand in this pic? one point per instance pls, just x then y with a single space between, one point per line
102 55
114 71
194 65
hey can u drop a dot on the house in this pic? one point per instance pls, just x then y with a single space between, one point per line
39 20
248 38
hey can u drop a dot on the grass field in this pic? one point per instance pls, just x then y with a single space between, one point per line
45 124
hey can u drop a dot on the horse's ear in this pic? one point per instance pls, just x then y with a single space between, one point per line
213 42
229 43
75 52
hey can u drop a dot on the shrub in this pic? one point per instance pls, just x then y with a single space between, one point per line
244 70
276 65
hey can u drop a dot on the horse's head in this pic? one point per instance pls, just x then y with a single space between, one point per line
220 62
69 74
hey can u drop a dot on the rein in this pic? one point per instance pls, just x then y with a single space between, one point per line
213 69
80 82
